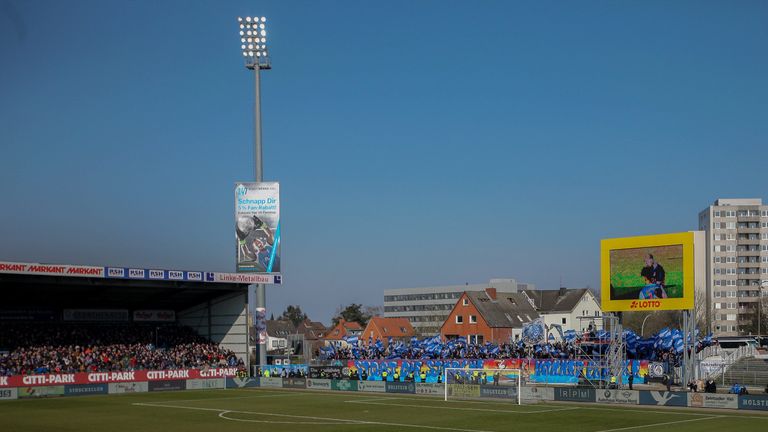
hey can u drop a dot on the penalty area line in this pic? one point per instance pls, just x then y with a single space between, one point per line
660 424
327 419
454 408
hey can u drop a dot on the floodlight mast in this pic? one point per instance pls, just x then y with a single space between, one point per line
253 43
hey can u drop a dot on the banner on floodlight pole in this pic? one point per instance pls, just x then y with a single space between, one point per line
257 227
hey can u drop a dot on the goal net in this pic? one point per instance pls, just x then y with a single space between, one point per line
469 383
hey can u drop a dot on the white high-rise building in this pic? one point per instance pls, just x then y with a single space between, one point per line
737 263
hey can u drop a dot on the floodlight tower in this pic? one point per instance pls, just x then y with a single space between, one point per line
253 43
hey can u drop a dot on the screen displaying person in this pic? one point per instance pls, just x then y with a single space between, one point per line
654 276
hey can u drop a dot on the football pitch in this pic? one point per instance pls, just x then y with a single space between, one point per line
290 410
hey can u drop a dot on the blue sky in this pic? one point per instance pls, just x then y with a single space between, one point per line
417 143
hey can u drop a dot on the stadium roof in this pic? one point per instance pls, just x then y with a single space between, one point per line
61 286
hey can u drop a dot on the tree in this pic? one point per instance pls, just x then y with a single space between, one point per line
755 321
354 313
294 314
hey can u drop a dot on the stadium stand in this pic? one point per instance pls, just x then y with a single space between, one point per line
54 347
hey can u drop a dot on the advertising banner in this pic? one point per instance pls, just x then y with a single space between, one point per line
154 316
499 392
647 273
759 403
711 365
429 389
663 398
167 385
110 377
27 315
36 269
372 386
462 390
296 383
271 382
325 371
537 393
625 397
713 400
257 227
400 387
95 315
318 383
656 370
9 393
238 382
85 389
202 384
574 394
51 269
344 385
128 387
44 391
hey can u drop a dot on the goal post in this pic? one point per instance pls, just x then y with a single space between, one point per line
483 383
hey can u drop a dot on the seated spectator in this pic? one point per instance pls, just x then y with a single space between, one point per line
710 386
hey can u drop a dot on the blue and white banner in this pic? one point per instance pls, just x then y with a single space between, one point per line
257 227
534 332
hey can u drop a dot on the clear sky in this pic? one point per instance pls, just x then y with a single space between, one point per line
417 143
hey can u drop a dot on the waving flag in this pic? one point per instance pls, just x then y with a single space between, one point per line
534 332
352 340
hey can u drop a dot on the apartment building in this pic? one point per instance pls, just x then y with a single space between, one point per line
737 263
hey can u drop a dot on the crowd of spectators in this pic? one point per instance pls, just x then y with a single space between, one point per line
28 348
554 350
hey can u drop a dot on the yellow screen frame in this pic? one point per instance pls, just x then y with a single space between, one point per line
607 245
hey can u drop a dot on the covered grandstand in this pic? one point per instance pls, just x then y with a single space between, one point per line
212 304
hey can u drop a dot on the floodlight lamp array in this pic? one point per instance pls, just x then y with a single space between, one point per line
253 36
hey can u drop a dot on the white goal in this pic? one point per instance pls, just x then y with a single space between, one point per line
469 383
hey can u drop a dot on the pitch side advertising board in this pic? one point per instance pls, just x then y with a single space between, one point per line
10 393
663 398
648 273
257 227
318 383
372 386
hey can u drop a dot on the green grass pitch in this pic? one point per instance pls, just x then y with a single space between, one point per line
277 410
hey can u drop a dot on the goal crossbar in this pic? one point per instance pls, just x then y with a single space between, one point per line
471 383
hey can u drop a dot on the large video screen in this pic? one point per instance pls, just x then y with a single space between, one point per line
647 273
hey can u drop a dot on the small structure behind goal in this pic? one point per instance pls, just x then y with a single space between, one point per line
481 383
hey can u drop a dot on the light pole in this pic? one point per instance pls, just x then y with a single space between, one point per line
253 43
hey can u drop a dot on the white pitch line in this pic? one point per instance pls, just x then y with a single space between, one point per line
223 415
454 408
660 424
225 398
329 419
704 414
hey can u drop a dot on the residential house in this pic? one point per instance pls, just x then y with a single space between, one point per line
487 316
381 328
572 309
